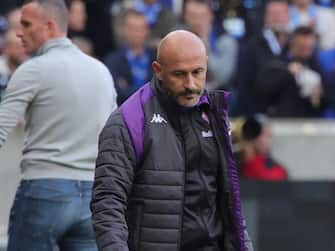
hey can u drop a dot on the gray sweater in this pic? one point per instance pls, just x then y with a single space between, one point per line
66 97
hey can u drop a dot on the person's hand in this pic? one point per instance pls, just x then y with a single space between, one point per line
316 95
22 122
295 68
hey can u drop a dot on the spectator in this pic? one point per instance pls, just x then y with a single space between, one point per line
175 5
84 44
99 27
304 65
325 3
222 49
13 56
13 18
257 161
327 61
77 18
307 13
160 19
293 88
3 29
9 22
67 97
77 27
130 65
257 53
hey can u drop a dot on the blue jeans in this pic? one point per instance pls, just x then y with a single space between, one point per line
51 214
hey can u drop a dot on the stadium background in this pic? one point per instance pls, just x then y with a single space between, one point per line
296 214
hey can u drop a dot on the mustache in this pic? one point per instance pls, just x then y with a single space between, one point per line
188 91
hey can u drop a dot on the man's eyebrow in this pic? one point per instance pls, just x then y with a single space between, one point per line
199 68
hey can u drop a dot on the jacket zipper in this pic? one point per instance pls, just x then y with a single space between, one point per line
204 192
183 191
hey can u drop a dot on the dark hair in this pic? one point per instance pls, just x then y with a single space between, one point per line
253 126
130 12
56 9
303 31
209 3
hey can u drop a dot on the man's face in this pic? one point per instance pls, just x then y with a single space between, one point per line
183 75
277 16
302 2
198 17
263 141
34 30
302 47
14 51
136 31
77 16
14 18
150 1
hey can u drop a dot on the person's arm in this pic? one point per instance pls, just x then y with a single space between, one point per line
222 63
119 69
113 182
21 90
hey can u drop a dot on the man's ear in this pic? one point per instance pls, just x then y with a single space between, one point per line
156 66
52 28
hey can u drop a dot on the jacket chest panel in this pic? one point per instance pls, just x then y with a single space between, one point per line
163 148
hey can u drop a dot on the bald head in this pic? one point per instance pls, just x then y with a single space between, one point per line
55 9
42 20
181 67
177 43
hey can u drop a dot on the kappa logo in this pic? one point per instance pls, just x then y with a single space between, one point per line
158 119
207 134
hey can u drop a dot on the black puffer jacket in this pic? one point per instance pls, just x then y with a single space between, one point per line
138 193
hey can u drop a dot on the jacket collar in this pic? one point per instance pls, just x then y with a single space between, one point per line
53 43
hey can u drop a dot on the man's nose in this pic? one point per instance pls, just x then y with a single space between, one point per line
19 32
189 82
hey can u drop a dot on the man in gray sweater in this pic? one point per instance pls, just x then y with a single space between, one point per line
66 98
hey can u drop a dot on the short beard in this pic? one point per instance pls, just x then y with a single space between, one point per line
187 91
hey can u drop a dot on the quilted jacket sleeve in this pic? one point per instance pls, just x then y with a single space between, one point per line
113 182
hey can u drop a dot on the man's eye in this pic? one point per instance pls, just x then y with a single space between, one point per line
197 72
25 24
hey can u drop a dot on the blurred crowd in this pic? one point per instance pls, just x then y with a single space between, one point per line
276 57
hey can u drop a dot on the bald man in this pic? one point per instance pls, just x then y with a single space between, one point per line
165 176
66 98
